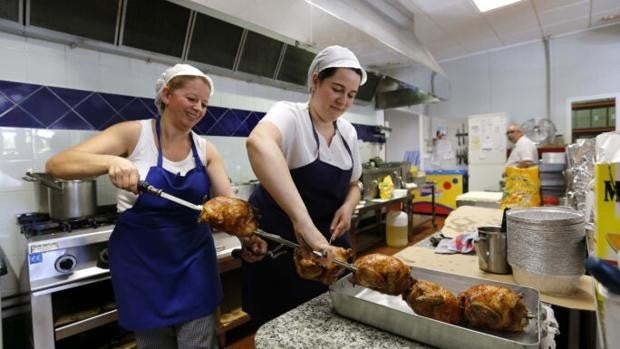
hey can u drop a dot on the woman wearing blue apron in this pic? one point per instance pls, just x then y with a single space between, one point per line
162 262
306 159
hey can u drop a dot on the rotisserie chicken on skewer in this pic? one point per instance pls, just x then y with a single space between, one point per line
231 215
383 273
494 308
429 299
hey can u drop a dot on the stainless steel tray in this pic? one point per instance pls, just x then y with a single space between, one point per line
393 314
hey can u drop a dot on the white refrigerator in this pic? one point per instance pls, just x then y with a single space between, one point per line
486 150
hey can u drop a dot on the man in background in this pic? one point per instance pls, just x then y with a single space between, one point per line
524 152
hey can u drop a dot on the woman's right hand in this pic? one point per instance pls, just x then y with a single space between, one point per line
307 234
123 174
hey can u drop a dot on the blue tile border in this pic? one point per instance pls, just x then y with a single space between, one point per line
39 106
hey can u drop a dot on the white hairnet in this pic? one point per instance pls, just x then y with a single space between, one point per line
177 70
334 57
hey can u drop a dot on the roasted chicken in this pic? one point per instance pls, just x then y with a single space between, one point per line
231 215
494 308
383 273
309 266
429 299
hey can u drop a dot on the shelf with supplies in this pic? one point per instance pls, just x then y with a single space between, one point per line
369 220
368 231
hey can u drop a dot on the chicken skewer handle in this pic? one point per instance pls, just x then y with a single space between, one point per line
146 187
276 238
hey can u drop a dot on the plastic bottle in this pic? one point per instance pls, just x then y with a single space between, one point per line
396 232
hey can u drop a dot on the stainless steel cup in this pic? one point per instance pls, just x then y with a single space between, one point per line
491 250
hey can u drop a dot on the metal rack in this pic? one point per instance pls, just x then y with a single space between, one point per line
368 235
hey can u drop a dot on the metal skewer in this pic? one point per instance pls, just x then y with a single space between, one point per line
280 240
146 187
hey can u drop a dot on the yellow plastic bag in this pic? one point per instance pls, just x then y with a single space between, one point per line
522 187
385 188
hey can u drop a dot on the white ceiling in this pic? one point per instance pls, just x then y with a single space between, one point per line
455 28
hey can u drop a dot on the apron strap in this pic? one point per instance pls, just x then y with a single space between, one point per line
199 165
316 139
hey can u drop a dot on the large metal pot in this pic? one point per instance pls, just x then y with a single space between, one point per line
67 199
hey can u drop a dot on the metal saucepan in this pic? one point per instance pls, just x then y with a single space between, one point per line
67 199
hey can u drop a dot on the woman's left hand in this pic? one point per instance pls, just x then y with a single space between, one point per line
341 222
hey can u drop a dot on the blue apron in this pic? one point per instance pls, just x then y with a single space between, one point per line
163 263
272 287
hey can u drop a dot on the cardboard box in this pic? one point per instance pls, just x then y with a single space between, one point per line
607 208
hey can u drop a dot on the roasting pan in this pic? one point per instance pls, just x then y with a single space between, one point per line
393 314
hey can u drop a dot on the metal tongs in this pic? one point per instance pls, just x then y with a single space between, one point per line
146 187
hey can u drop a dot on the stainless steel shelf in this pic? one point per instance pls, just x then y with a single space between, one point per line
86 324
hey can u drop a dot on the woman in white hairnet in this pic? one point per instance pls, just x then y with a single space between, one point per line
306 159
162 262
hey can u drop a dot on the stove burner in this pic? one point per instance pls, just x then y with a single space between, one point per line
103 261
38 223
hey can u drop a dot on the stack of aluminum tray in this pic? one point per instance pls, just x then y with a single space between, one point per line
393 314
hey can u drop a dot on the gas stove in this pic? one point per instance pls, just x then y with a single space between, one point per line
67 278
67 257
37 223
67 251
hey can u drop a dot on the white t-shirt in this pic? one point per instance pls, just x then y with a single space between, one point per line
144 156
523 150
299 145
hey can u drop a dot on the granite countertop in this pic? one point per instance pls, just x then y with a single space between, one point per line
315 325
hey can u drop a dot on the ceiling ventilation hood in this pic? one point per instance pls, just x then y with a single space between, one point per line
392 93
381 33
166 32
227 38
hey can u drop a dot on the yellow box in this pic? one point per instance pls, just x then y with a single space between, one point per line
607 208
449 184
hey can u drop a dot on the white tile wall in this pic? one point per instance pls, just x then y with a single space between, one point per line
38 62
404 135
12 58
45 63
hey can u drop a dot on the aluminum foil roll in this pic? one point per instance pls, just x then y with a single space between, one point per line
580 160
546 240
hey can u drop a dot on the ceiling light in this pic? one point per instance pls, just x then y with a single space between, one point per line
488 5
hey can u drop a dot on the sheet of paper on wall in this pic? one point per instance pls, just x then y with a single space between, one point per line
474 145
443 146
474 136
448 156
487 142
